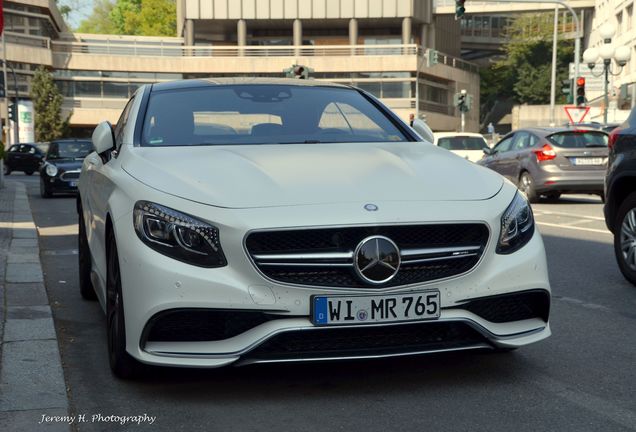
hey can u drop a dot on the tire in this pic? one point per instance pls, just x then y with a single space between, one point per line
625 234
28 173
7 169
121 363
602 196
526 185
553 196
45 192
85 262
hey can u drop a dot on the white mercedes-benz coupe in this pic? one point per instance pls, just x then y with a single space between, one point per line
243 221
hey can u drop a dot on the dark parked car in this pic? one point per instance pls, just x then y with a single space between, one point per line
24 157
62 165
551 161
620 190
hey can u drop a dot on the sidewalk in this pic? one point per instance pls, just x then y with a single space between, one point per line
31 378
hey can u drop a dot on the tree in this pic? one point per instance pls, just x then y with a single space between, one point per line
47 106
132 17
524 73
99 21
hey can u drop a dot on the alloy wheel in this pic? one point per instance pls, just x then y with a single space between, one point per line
628 239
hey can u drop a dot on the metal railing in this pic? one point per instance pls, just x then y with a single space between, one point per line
448 60
25 39
123 49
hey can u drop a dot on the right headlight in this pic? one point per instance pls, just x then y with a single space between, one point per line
178 235
51 170
517 225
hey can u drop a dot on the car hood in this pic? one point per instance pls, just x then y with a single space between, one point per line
66 164
284 175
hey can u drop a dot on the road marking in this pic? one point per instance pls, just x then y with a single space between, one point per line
575 228
58 230
572 215
576 222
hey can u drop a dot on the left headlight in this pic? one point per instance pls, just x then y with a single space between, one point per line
178 235
51 170
517 225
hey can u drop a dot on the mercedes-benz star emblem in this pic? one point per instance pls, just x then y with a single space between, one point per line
377 260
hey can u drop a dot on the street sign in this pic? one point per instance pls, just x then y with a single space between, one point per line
576 114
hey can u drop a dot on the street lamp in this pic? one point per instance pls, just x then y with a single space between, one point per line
607 52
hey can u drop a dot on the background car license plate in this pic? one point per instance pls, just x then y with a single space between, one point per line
589 161
339 310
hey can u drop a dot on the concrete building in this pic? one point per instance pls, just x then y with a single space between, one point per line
379 45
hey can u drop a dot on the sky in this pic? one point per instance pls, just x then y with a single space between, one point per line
80 9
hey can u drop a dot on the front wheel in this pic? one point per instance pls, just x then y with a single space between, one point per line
526 185
625 238
121 363
45 192
28 173
7 170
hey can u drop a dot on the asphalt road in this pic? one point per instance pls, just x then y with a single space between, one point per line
581 379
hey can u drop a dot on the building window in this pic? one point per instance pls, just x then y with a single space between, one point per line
619 23
629 12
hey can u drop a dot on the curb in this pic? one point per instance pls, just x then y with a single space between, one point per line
31 377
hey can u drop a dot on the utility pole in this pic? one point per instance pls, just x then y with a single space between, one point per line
6 87
555 36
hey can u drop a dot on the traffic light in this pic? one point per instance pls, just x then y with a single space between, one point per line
580 91
13 112
463 101
432 57
459 9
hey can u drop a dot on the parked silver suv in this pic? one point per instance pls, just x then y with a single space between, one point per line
551 161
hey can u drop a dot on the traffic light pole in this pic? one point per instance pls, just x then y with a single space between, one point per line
16 122
605 95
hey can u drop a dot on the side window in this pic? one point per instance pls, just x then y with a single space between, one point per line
14 148
521 141
504 145
121 124
534 140
25 149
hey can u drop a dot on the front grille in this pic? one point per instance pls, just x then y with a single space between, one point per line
70 175
367 340
324 256
196 325
511 307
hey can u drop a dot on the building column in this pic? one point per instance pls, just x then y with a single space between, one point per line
406 30
241 35
189 32
298 35
353 34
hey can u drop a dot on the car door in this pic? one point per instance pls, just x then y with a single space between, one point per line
100 187
12 156
518 152
497 159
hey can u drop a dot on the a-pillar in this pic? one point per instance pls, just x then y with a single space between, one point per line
297 36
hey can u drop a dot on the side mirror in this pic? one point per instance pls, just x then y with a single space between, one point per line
488 151
423 130
103 138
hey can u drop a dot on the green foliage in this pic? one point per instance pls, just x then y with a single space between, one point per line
99 21
132 17
525 72
47 107
2 150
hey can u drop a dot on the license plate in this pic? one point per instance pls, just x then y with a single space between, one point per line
589 161
73 184
363 309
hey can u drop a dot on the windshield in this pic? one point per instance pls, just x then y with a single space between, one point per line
579 139
264 114
69 150
462 143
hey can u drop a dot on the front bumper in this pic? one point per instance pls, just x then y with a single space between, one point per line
153 283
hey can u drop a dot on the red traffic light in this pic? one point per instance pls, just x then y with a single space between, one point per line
580 81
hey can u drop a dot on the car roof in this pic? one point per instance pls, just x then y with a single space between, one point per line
545 131
452 134
208 82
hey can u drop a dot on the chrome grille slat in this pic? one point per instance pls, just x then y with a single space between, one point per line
427 252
